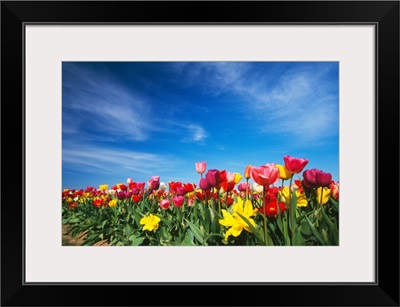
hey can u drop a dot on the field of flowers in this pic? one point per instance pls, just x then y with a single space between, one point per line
273 204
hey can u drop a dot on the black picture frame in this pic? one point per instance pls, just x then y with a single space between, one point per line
383 14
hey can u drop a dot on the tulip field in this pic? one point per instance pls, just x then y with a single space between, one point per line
273 204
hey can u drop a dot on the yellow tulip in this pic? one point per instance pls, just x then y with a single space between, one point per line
112 203
323 195
103 187
284 174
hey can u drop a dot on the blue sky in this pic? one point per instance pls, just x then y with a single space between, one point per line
144 119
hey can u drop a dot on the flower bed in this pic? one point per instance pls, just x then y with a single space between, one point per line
269 207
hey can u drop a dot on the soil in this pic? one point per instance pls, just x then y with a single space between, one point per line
68 240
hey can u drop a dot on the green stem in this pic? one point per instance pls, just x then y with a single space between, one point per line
289 216
265 217
247 189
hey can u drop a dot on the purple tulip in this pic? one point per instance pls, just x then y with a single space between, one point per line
212 177
323 179
121 195
204 184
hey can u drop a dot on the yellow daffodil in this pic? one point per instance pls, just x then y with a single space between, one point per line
301 197
234 221
326 194
284 174
112 203
150 222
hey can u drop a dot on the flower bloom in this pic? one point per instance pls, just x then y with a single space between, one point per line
271 203
121 195
294 165
265 175
122 186
314 178
201 167
112 203
103 187
213 177
257 188
301 197
163 186
309 178
247 172
178 201
154 182
323 179
334 187
165 203
323 195
242 187
150 222
203 184
284 174
234 221
129 180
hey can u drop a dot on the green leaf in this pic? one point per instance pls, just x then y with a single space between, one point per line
127 230
314 231
187 241
253 229
333 228
137 241
299 240
196 232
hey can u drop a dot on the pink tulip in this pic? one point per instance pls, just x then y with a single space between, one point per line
294 165
178 201
165 203
242 187
230 177
129 180
201 167
265 175
154 183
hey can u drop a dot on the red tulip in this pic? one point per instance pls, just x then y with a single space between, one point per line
294 165
265 175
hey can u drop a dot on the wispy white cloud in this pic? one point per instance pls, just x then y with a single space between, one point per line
298 102
95 159
94 104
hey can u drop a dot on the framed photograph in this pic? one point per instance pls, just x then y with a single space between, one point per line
237 151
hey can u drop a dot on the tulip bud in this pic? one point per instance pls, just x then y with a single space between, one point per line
247 172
